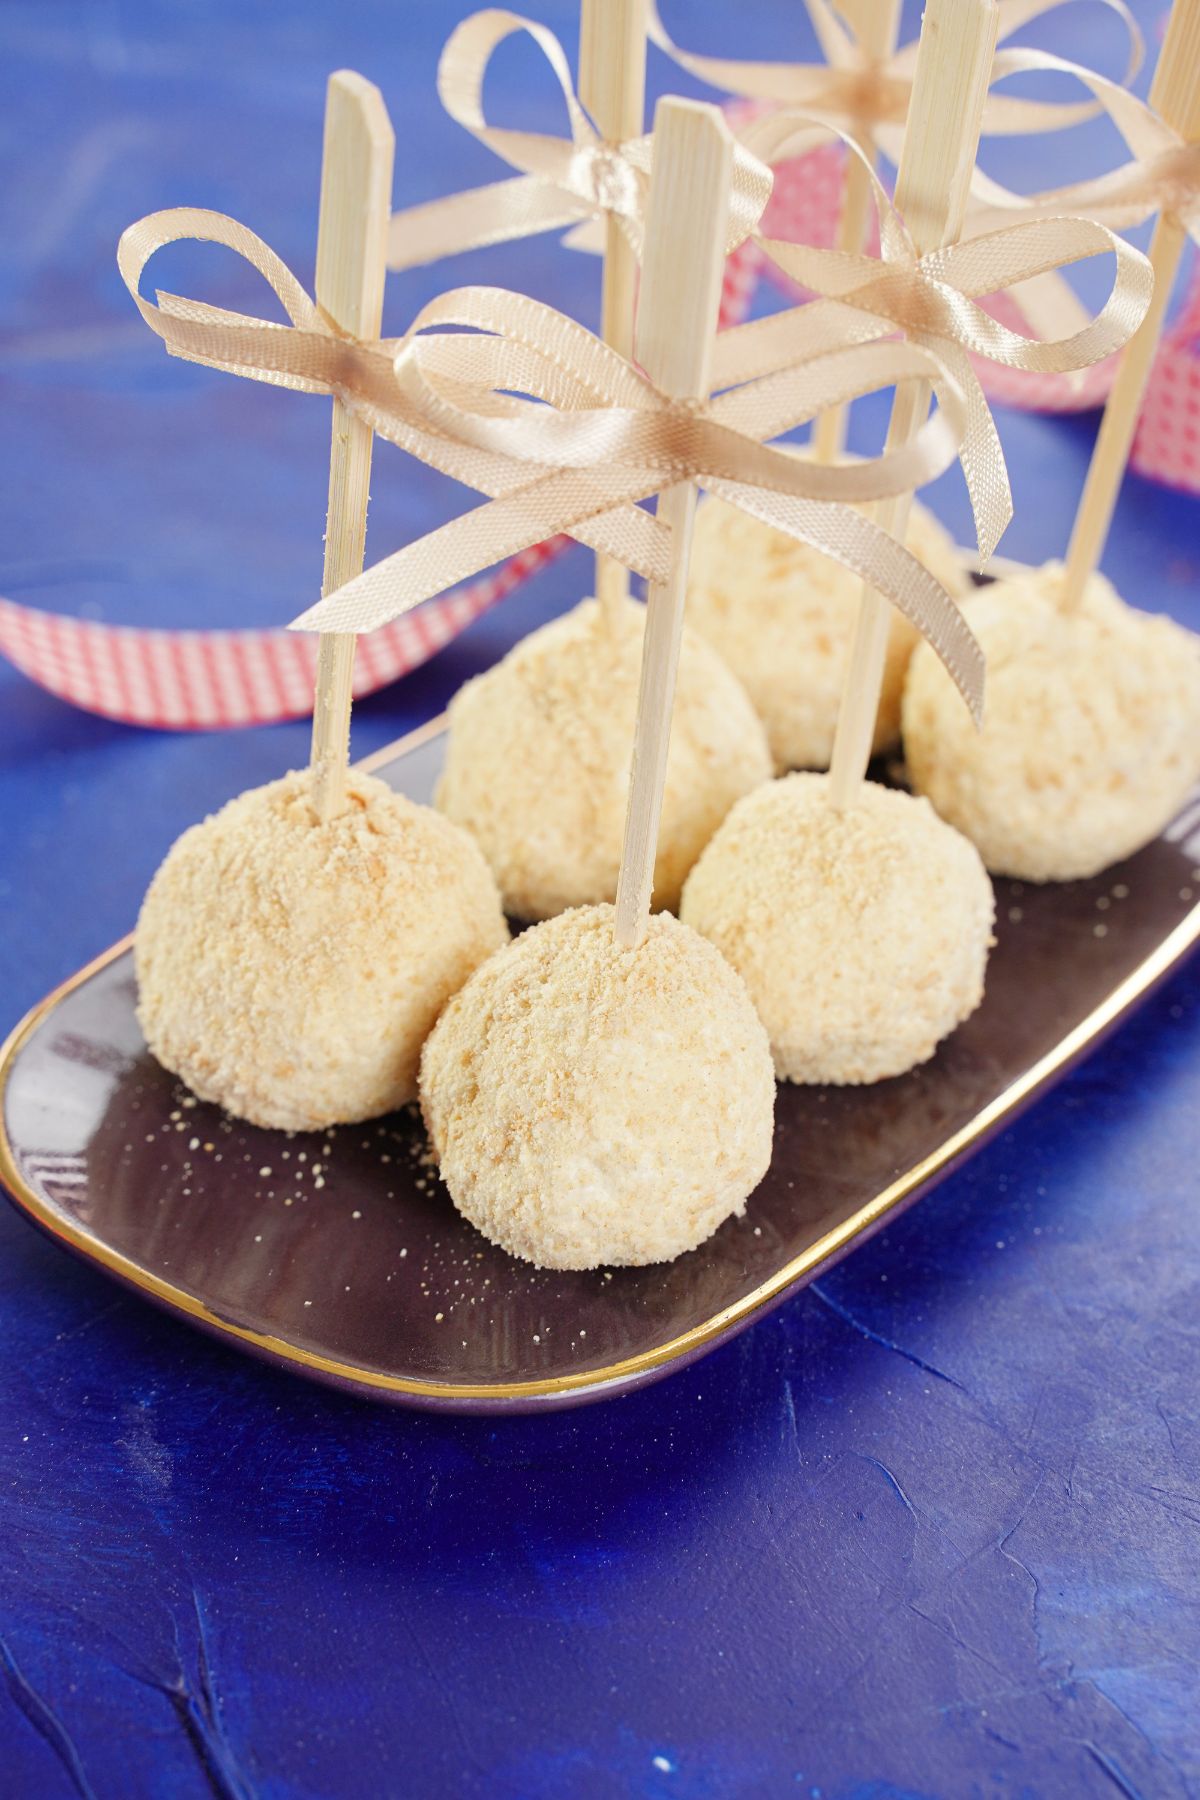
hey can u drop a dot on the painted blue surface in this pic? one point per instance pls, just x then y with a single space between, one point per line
933 1530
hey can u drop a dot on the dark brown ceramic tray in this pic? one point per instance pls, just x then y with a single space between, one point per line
343 1259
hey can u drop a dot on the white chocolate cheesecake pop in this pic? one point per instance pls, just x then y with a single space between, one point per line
591 1105
782 617
862 935
1090 740
602 1092
290 970
538 756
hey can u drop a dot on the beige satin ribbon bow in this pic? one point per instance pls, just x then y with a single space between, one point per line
868 96
1162 175
593 438
933 300
570 181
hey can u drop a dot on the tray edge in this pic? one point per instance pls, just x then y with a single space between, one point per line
564 1390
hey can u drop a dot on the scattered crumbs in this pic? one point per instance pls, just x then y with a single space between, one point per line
404 1252
1120 891
258 1237
537 1336
288 1200
1102 903
308 1303
302 1156
438 1317
190 1101
264 1173
356 1214
1016 914
317 1167
210 1148
1000 1244
319 1182
664 1764
1185 893
1099 930
608 1274
582 1332
758 1231
193 1143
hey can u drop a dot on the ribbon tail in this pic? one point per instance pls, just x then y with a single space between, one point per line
893 571
477 539
981 457
521 207
587 236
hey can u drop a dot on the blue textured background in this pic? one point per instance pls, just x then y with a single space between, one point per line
932 1530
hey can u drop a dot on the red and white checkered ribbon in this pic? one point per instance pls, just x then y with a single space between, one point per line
212 680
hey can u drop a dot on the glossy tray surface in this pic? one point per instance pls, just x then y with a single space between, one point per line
342 1257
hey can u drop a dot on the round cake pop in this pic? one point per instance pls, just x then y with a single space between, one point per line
291 970
782 617
1091 734
537 764
591 1105
862 935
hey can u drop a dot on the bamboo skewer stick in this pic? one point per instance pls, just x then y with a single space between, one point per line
356 198
876 25
682 269
950 83
612 85
1175 96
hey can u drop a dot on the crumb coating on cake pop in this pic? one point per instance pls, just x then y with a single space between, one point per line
782 617
291 971
862 935
538 757
1091 730
590 1105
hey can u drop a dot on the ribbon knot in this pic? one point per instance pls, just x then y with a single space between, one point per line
616 186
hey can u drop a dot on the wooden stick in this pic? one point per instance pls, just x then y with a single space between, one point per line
876 26
954 63
682 269
612 85
356 200
1175 96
